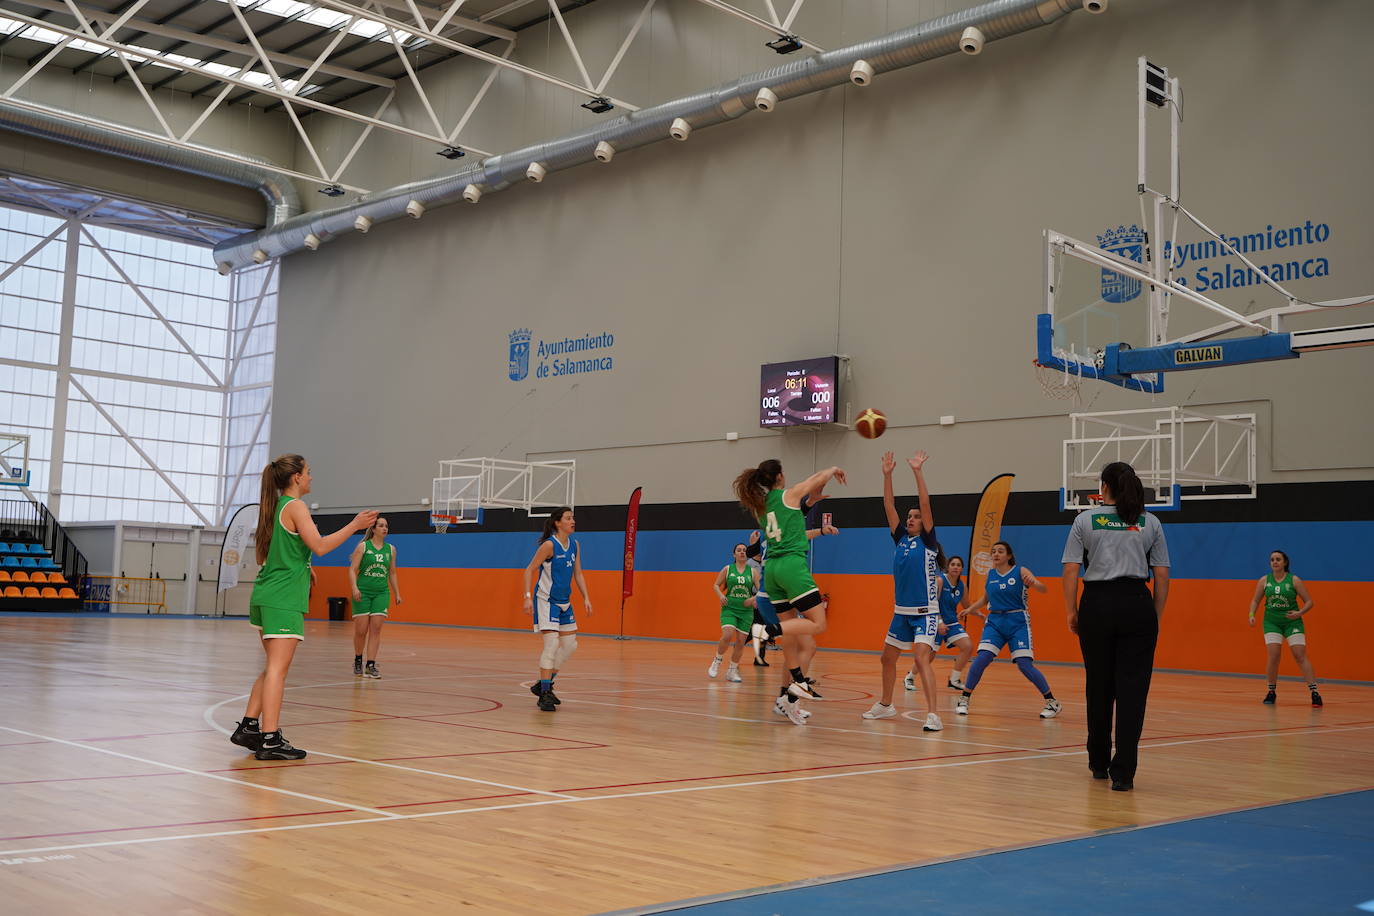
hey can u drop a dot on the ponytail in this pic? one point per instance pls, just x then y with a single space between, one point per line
554 518
275 478
753 485
1126 490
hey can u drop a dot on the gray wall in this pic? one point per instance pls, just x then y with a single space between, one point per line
900 225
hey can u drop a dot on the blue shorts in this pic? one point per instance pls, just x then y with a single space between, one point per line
953 633
550 616
764 607
1007 628
908 629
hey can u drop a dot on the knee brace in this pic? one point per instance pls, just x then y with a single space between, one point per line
567 645
548 658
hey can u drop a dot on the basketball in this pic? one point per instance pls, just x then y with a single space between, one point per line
871 423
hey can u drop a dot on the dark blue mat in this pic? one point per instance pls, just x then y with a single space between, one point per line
1303 857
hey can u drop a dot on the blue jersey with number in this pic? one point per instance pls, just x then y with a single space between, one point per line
914 571
1006 592
950 596
556 573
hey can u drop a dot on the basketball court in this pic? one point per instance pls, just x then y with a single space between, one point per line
485 267
442 785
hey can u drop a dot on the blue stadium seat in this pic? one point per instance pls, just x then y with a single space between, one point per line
28 562
9 562
4 547
47 563
36 548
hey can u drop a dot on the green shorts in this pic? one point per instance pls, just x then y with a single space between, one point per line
277 622
1283 629
785 579
741 618
372 603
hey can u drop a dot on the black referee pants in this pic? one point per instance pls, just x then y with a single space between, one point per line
1117 631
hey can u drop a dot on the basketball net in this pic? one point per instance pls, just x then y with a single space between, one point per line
440 523
1060 386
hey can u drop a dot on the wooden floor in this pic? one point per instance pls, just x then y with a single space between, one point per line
442 787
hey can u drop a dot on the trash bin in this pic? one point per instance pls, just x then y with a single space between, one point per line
338 608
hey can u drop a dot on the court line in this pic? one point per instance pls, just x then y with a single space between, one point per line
209 718
933 736
595 798
225 820
173 766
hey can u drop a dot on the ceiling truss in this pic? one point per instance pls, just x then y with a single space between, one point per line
247 51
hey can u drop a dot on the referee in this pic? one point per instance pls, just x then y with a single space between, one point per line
1117 548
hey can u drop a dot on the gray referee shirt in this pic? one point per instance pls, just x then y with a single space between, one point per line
1109 548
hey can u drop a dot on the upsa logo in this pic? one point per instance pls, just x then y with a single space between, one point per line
1128 243
982 562
231 558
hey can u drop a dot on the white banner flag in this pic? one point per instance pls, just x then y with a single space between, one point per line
236 540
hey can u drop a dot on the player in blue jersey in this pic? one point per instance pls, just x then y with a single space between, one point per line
560 565
915 570
953 598
1008 624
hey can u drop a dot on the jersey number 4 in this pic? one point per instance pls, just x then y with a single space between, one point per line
772 529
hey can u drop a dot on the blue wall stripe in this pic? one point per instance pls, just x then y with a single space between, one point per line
1319 550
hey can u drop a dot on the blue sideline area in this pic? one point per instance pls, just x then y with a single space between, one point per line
1303 857
1320 550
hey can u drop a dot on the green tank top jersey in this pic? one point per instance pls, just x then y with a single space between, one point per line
374 568
739 586
1279 597
284 580
784 528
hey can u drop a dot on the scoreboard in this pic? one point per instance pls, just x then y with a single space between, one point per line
802 392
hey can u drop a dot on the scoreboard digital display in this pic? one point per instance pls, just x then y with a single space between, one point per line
802 392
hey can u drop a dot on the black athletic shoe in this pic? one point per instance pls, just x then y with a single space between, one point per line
815 694
534 689
249 737
280 750
1123 785
1099 774
357 667
371 671
760 663
1316 698
547 701
1270 698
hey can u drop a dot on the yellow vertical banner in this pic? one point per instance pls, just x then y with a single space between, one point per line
987 530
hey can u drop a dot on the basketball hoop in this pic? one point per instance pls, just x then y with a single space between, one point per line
1094 499
440 523
1061 386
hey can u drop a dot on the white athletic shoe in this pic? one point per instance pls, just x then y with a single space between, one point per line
732 674
1051 709
780 707
909 681
879 711
955 681
801 690
794 712
714 669
933 723
961 706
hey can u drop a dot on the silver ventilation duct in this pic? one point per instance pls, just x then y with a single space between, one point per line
928 40
86 132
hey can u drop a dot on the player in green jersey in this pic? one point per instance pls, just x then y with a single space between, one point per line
735 586
764 493
286 537
372 570
1286 602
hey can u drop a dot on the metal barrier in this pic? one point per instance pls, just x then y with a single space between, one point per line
121 594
